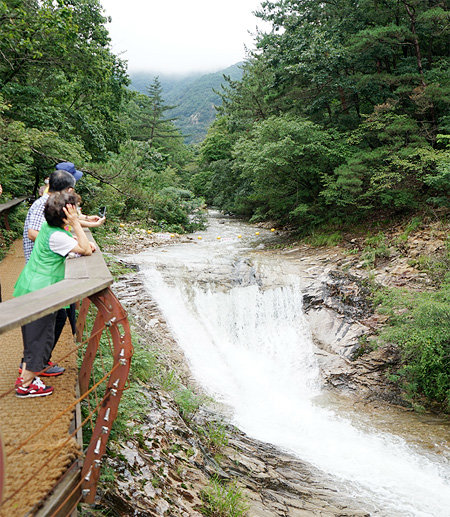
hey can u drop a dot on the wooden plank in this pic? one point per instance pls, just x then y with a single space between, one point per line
2 467
12 202
30 307
84 276
61 501
93 266
76 269
78 419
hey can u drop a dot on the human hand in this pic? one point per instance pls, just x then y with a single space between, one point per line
1 190
95 220
71 215
93 246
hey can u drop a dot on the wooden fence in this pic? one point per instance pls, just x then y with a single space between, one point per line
87 280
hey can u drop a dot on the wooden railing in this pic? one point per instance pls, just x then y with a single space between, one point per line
6 207
87 280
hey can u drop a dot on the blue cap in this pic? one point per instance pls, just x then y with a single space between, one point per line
69 167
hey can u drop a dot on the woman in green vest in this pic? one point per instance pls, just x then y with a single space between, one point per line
46 267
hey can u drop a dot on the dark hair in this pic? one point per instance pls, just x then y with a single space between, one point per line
60 180
53 211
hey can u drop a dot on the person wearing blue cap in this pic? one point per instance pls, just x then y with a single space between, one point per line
70 168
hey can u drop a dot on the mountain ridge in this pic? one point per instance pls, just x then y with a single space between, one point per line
192 95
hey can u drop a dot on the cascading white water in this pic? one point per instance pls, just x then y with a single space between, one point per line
251 349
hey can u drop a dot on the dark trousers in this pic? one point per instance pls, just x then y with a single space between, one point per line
38 342
36 331
61 317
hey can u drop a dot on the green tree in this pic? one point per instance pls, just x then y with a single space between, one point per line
57 71
287 159
148 121
386 169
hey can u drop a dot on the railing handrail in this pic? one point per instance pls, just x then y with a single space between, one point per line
12 202
84 276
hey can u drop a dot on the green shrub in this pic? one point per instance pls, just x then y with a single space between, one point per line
377 246
419 325
16 218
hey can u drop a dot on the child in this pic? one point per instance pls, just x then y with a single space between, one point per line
46 267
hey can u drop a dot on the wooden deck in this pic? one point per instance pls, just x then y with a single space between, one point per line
20 419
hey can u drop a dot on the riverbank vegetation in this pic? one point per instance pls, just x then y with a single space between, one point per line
341 115
419 324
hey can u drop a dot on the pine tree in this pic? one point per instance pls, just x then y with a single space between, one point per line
149 121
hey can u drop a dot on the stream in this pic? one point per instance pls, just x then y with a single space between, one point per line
236 312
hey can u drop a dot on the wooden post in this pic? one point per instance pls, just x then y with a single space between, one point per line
2 468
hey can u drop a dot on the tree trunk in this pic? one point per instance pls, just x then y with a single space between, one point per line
412 18
343 99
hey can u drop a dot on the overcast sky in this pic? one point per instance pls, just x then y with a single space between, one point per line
179 36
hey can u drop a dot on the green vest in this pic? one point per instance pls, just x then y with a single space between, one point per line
44 267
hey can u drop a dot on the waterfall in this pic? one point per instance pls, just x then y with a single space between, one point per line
251 349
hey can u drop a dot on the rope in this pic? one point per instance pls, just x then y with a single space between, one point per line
89 417
77 486
64 411
52 456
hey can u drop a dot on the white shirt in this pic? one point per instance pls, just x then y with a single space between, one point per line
61 243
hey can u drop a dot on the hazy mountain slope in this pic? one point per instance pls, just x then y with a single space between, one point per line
193 97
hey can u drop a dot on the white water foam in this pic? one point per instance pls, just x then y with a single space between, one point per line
251 348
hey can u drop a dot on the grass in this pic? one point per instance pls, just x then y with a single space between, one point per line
410 228
223 500
116 267
376 247
324 239
436 266
187 402
215 435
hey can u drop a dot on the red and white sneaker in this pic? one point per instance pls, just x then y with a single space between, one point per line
36 389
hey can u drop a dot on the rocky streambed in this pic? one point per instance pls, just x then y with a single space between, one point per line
165 468
165 471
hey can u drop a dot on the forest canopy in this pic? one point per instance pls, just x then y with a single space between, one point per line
64 97
342 112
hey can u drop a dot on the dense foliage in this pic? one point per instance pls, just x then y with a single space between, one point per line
64 97
194 98
342 112
420 325
341 117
